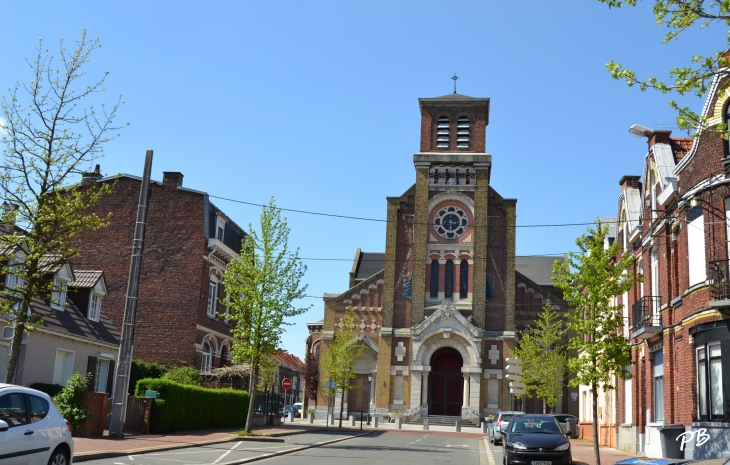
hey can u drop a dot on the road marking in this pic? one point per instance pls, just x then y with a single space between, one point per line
416 441
228 452
131 457
456 445
489 453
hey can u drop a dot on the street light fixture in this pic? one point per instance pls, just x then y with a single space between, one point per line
370 382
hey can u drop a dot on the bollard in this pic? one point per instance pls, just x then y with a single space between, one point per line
485 427
398 423
290 417
458 426
352 420
425 424
311 417
375 422
331 419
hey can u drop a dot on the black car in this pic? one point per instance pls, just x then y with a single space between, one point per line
535 440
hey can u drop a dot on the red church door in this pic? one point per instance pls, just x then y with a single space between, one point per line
446 383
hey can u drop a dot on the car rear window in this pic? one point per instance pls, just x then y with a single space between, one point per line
12 409
38 408
506 418
561 418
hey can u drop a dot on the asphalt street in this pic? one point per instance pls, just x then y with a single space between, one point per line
496 453
374 448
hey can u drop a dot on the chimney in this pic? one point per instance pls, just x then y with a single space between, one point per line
660 137
172 178
89 178
630 181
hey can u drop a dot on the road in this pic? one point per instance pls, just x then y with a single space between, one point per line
371 449
496 453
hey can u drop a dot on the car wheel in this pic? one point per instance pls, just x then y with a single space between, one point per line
58 457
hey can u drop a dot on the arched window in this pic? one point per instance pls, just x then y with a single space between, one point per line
442 132
462 132
224 356
464 279
449 281
434 279
207 359
726 120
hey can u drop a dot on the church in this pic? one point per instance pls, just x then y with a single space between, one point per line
442 308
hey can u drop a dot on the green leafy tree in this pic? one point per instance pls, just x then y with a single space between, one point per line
184 374
678 16
70 400
47 138
262 284
267 373
542 351
339 360
590 282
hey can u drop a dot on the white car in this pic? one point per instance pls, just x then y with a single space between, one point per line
32 431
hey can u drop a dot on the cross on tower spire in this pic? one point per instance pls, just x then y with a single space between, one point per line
455 77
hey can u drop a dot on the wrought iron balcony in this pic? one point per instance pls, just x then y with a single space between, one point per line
645 317
720 283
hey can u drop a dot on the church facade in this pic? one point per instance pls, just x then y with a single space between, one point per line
442 308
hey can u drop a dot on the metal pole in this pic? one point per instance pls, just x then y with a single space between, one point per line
126 346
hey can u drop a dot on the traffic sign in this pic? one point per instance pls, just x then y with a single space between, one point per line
513 361
516 385
286 383
516 391
514 369
513 377
330 384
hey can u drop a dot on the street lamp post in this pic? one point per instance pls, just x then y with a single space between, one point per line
370 382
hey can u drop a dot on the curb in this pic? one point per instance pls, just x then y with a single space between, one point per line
290 451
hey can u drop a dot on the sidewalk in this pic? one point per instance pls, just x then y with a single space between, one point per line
583 453
96 448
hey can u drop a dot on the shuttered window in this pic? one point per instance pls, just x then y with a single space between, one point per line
462 133
442 132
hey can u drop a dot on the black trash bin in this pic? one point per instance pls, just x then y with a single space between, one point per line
670 445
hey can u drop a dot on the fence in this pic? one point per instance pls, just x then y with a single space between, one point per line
137 419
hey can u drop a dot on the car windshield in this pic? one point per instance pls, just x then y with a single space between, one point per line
535 425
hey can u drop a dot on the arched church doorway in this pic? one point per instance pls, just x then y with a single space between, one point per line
446 383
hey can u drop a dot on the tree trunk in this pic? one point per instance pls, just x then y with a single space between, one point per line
342 404
596 449
251 401
20 319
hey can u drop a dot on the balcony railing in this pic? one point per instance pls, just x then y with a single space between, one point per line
645 314
720 280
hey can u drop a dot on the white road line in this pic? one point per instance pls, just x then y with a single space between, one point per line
131 457
415 441
228 452
489 452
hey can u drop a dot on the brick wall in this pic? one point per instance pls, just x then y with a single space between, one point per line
96 405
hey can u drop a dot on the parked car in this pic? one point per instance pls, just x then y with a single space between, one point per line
563 420
292 409
298 406
499 424
32 430
537 440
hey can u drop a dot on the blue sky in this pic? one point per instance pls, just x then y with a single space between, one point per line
315 103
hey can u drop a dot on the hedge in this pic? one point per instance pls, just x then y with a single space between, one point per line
184 407
141 369
50 389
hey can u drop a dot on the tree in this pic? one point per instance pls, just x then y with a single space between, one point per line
311 378
678 16
262 283
543 356
267 373
70 401
595 326
339 360
47 137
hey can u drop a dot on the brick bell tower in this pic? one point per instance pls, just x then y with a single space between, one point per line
449 279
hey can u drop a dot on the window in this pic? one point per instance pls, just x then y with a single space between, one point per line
12 280
12 409
709 382
226 309
102 375
464 279
207 358
63 367
58 295
655 285
212 298
220 229
696 246
224 356
726 119
442 132
94 307
435 279
659 386
652 193
628 399
462 132
38 408
449 281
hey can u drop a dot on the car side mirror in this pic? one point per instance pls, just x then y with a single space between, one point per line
4 426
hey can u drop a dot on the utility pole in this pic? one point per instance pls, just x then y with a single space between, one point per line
126 346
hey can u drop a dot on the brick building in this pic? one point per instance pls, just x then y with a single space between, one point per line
440 310
676 223
188 242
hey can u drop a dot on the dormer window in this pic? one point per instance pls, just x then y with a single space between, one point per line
12 280
220 229
462 132
94 306
442 132
58 295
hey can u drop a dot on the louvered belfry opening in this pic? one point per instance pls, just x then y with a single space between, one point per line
462 132
442 133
